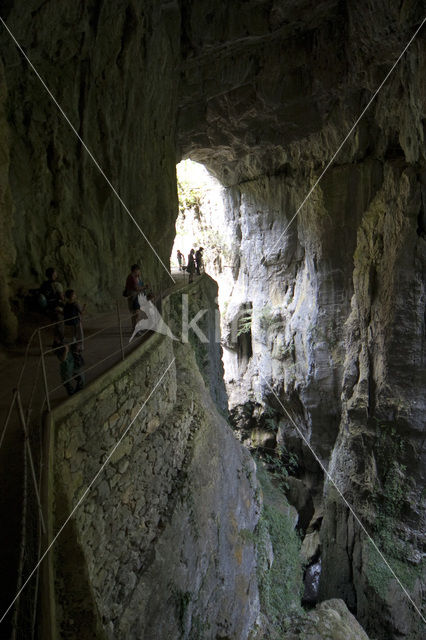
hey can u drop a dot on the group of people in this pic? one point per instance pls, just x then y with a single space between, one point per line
64 310
61 308
195 262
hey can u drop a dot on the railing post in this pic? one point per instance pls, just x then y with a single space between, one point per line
30 456
9 413
121 332
43 366
47 587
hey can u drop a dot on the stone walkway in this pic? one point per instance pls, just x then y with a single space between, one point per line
102 349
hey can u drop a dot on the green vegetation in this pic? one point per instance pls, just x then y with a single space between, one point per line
245 322
270 418
247 536
388 449
377 572
380 577
280 582
214 241
265 317
195 221
189 198
281 465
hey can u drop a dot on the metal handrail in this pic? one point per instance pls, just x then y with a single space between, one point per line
40 364
93 366
39 330
122 349
157 300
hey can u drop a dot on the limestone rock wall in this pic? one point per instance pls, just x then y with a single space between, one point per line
266 93
338 333
338 298
110 65
379 458
8 253
193 316
330 619
268 87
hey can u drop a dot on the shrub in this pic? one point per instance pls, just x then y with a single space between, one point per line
245 322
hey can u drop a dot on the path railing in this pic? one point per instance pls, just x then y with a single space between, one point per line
23 615
44 366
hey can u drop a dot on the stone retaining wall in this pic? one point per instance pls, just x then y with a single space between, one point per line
158 549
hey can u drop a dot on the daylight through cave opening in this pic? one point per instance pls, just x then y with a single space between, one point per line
261 324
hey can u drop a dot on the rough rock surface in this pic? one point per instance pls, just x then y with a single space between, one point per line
267 92
111 68
337 297
157 550
331 620
194 318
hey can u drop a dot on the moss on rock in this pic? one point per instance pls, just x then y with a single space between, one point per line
279 566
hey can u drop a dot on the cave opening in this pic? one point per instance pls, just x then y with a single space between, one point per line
268 316
202 222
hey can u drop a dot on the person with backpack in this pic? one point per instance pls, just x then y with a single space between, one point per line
199 260
51 301
72 315
134 286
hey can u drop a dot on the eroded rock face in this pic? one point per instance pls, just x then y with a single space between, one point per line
111 68
337 337
267 93
163 546
268 87
337 333
330 620
378 457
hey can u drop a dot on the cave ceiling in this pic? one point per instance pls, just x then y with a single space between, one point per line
262 80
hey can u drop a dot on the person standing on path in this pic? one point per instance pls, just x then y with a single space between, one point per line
66 365
134 286
191 265
199 260
72 313
51 300
70 366
180 259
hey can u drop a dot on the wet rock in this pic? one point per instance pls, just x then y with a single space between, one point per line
311 581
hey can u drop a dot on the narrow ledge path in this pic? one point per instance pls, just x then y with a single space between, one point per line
102 350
